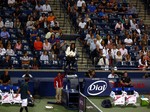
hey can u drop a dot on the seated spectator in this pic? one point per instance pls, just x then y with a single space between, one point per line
17 24
83 8
50 17
46 45
56 29
110 56
44 56
33 34
55 49
128 41
5 78
119 26
30 23
143 50
144 40
125 80
1 23
2 50
142 63
123 50
25 61
123 9
115 8
112 74
132 9
114 50
34 63
48 34
42 19
91 8
71 53
52 39
118 57
104 62
128 58
91 73
82 24
38 45
79 4
46 7
39 7
126 25
10 51
17 12
102 14
9 23
133 25
7 63
18 45
4 35
52 23
11 3
138 30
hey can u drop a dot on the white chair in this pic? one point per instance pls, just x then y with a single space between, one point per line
118 96
5 94
131 96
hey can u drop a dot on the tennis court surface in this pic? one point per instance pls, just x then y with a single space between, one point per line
97 101
41 103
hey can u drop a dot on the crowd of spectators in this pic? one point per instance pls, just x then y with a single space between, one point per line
29 35
111 33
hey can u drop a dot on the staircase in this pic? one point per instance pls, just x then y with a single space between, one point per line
141 11
65 24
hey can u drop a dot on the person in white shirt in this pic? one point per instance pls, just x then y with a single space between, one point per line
9 24
2 50
142 63
133 24
104 62
44 56
114 50
82 24
79 3
46 7
118 57
30 23
71 53
105 50
9 51
93 45
48 35
1 22
11 2
128 41
112 74
123 50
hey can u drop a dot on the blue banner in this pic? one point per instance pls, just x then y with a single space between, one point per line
142 86
96 87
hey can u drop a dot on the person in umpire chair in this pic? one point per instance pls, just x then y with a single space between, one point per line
58 85
25 93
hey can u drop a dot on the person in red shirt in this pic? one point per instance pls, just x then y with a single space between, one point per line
58 85
38 45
